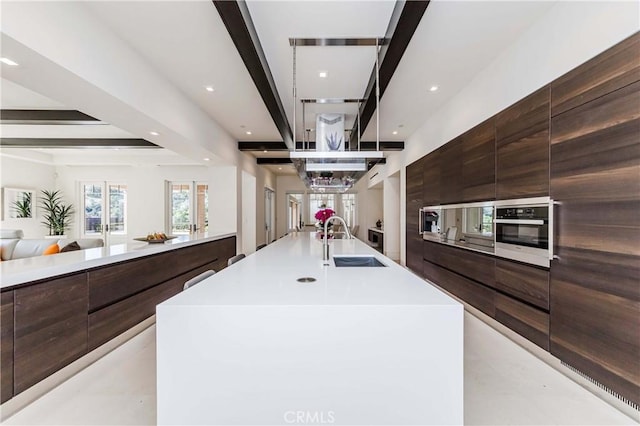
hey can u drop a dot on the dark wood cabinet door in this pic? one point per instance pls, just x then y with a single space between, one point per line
595 316
595 150
451 172
524 282
413 205
431 179
50 328
475 294
479 163
595 164
525 320
467 263
522 145
611 70
6 345
115 319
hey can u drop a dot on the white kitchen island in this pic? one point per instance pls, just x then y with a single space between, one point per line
359 346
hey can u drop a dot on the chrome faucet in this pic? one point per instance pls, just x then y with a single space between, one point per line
325 238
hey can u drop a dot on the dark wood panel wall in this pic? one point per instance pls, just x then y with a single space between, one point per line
50 323
595 176
578 141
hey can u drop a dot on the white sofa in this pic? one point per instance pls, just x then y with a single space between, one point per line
14 246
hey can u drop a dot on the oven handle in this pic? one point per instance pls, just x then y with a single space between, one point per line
521 221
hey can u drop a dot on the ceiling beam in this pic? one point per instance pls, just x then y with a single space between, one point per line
403 24
51 143
266 161
237 19
280 146
46 116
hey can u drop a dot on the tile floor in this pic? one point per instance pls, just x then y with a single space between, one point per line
504 385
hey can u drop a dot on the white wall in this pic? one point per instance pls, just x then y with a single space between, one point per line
248 228
146 193
285 184
18 173
569 34
369 206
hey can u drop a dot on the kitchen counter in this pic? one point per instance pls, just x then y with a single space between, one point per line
378 230
251 345
19 271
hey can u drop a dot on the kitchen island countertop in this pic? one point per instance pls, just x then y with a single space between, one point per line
251 345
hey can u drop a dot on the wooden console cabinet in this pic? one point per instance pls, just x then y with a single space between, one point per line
47 324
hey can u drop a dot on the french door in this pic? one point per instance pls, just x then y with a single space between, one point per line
104 211
188 207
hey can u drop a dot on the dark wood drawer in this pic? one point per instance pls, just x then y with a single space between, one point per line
115 319
475 294
430 251
467 263
113 283
525 320
50 328
6 346
414 253
524 282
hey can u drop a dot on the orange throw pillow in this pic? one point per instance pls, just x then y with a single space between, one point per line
52 249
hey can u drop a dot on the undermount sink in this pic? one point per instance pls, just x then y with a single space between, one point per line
357 261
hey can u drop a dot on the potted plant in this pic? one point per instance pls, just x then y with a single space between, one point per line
57 216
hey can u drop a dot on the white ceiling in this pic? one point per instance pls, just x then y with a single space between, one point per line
187 43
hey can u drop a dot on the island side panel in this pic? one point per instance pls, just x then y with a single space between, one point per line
353 364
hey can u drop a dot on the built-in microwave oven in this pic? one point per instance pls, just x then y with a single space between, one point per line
524 230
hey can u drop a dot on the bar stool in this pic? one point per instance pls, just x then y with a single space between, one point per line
236 258
195 280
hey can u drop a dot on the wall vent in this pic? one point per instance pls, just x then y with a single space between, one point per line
601 386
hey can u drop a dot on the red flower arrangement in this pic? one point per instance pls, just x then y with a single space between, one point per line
324 215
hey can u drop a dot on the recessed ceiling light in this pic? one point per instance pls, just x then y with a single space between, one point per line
8 62
206 159
154 133
323 74
210 89
395 132
279 168
248 132
433 88
264 150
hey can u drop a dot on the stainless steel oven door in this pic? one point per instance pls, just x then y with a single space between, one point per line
525 240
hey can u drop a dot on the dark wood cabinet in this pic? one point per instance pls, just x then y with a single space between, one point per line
479 163
475 294
431 179
525 320
48 324
524 282
116 282
413 205
595 164
595 150
115 319
50 328
450 157
6 345
467 263
611 70
522 145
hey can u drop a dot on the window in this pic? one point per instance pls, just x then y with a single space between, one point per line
188 207
320 201
349 209
104 208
